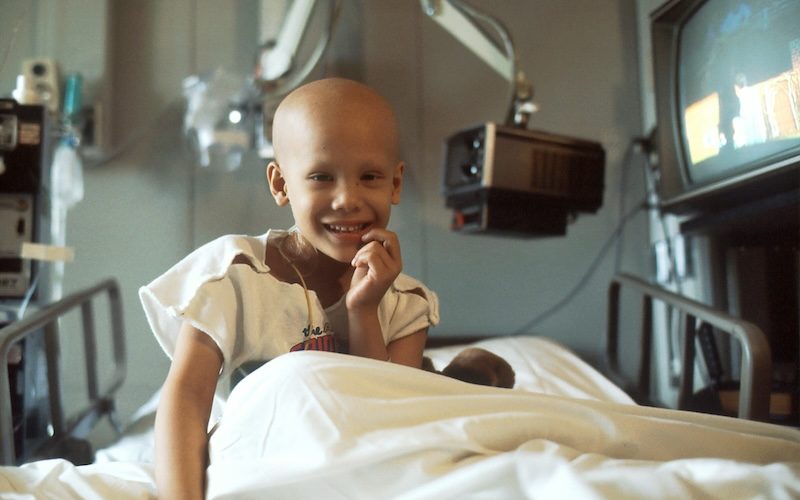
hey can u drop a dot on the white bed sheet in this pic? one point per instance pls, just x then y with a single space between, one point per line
320 425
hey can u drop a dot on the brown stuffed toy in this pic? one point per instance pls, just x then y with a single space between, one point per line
476 366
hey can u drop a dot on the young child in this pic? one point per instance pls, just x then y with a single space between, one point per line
333 282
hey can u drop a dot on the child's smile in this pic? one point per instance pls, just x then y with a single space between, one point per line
347 229
348 233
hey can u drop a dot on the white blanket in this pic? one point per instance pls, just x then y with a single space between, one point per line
322 425
61 480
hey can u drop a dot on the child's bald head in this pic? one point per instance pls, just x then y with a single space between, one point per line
336 163
334 109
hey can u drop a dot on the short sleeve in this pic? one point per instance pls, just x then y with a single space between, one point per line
212 309
411 307
202 289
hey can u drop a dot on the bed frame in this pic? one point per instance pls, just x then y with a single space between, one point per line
756 360
69 433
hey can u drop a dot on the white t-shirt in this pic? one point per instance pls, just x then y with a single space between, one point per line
253 316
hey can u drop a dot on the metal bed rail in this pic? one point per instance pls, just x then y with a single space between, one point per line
756 360
46 319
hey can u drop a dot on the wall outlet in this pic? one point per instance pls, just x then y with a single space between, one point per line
42 83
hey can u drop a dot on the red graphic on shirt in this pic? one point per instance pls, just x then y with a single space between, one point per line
321 343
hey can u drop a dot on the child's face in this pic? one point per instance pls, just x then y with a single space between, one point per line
340 176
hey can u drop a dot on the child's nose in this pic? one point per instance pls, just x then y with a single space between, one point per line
347 198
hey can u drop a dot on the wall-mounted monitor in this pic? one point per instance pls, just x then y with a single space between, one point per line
727 84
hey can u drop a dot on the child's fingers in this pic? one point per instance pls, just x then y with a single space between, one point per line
375 256
375 270
387 239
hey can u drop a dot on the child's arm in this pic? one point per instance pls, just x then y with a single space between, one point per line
182 417
378 263
408 350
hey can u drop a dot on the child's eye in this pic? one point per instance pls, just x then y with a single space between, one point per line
320 177
371 176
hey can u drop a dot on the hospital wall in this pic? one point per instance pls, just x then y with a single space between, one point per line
149 205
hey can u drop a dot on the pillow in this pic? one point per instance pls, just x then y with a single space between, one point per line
542 366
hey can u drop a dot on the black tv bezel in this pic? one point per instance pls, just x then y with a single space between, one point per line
770 176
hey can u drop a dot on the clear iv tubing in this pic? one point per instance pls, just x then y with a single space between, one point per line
66 188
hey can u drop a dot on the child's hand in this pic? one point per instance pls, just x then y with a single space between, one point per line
377 265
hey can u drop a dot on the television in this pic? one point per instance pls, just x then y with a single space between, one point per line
727 92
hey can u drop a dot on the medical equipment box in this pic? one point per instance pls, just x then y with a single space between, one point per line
502 179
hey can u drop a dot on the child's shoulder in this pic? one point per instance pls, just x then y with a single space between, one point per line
404 282
209 262
407 284
224 248
413 303
212 259
238 241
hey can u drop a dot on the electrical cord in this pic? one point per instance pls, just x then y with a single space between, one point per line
136 137
23 307
18 311
617 236
647 146
587 275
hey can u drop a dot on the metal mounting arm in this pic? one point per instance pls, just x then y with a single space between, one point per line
458 19
278 52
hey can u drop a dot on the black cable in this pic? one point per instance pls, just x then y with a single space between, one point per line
637 144
652 180
587 275
136 138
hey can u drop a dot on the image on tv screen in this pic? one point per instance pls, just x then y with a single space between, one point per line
739 85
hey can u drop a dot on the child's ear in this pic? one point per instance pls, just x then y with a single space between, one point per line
277 184
397 182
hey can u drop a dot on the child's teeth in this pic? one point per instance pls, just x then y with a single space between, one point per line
345 229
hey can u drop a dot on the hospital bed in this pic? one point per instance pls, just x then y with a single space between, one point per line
324 425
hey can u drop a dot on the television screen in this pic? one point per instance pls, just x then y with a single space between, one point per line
738 86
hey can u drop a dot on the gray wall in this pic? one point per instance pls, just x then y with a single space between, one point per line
149 206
